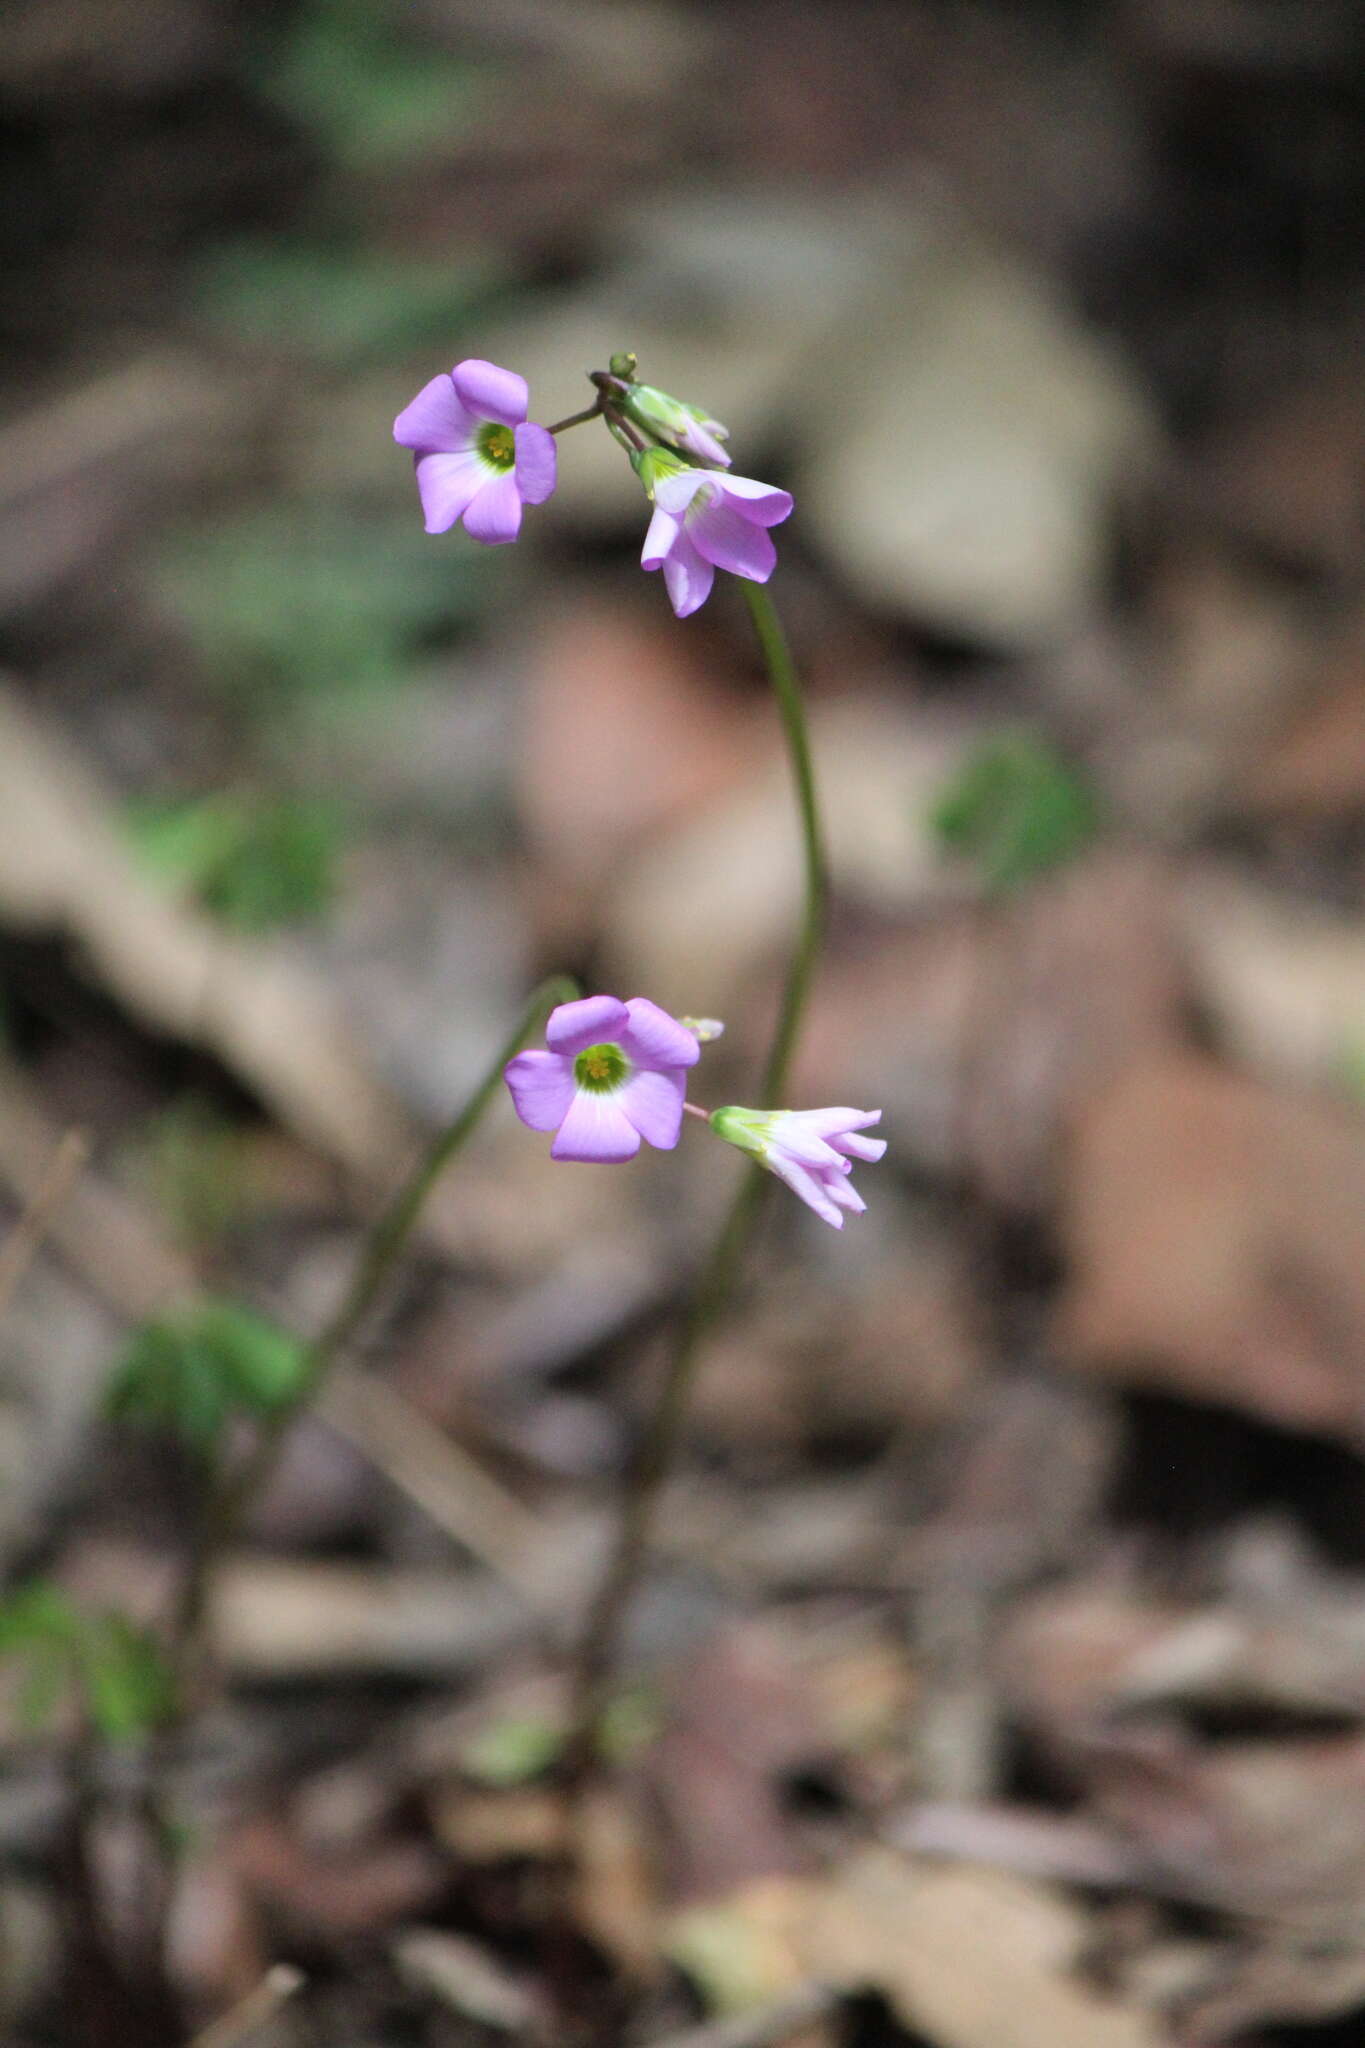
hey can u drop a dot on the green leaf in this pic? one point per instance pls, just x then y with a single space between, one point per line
117 1670
128 1685
191 1372
1015 810
370 100
343 308
512 1749
313 600
258 862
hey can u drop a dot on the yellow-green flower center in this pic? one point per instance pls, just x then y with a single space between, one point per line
497 444
600 1068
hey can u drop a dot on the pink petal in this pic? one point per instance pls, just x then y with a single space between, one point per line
586 1022
688 577
845 1194
654 1104
542 1086
721 534
854 1147
435 420
494 513
654 1039
763 504
673 494
536 463
662 536
830 1123
491 393
447 485
596 1129
807 1185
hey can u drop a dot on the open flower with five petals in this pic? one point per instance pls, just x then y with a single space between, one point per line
614 1073
705 520
478 457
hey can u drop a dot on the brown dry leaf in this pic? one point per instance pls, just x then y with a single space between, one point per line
1288 477
615 1890
626 729
1316 769
1215 1232
1282 977
65 868
1272 1829
968 1958
983 1031
739 1719
389 1880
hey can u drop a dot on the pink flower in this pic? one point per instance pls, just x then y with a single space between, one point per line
614 1073
812 1150
478 457
703 522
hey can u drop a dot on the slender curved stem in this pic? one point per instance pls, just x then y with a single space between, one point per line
598 1653
231 1495
577 419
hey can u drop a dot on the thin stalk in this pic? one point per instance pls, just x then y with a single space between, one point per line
577 419
598 1653
232 1494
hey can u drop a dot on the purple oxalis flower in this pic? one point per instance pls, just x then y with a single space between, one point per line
812 1150
615 1073
704 521
478 457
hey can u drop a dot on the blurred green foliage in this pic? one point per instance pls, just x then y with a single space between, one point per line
317 600
343 308
371 100
192 1372
257 862
113 1670
1015 810
192 1165
512 1749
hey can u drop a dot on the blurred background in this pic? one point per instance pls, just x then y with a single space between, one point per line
1003 1664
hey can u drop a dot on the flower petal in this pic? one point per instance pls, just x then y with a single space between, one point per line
844 1194
662 536
654 1039
688 577
491 393
807 1185
589 1021
763 504
537 463
653 1101
447 484
542 1087
721 534
435 420
596 1129
675 493
854 1147
493 515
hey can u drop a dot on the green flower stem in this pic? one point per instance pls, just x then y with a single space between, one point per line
233 1492
599 1651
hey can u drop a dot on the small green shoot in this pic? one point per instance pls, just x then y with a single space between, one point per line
1015 810
112 1670
193 1372
256 862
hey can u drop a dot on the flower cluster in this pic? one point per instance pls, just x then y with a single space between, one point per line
479 458
615 1073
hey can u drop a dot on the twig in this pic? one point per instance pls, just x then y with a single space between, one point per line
252 2013
451 1486
763 2029
18 1251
